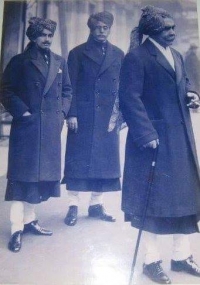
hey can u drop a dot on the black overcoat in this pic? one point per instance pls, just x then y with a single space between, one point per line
35 143
93 152
153 103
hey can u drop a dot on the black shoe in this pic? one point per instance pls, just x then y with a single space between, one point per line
155 272
71 217
36 229
15 242
187 265
98 211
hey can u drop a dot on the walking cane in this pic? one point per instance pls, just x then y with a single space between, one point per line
149 187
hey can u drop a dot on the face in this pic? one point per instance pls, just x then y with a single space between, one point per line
44 40
100 32
167 36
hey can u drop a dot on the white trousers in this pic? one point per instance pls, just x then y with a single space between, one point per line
21 213
73 198
181 247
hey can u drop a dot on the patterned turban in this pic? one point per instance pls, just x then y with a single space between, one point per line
151 23
37 25
105 17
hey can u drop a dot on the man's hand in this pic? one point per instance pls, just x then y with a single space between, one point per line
194 100
153 144
73 124
27 113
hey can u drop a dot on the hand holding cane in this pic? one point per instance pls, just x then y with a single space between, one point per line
149 188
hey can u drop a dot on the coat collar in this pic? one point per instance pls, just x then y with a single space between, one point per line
91 52
55 63
110 57
154 51
38 61
178 66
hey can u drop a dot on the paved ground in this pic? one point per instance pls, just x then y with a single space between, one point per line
91 253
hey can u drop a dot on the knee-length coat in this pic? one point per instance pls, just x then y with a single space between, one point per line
35 144
93 152
153 103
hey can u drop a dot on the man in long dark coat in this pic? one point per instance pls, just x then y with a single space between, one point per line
92 154
154 94
36 90
192 66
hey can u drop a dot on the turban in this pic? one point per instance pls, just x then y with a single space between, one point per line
150 23
37 25
105 17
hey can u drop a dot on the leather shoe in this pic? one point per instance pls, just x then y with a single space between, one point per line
15 242
36 229
187 265
98 211
155 272
71 217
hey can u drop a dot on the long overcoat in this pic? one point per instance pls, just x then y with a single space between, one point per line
35 143
93 152
153 103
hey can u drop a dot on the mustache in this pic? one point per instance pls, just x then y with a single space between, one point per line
46 42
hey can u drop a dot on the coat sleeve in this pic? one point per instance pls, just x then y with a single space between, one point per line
9 88
73 64
66 90
132 80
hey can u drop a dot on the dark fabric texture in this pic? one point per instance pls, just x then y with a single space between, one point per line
93 152
32 192
97 185
180 225
153 103
29 84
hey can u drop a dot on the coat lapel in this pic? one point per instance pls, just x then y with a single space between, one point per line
109 58
55 63
160 58
38 61
91 52
178 66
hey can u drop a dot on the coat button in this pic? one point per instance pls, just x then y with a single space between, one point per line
59 83
58 98
37 83
57 111
42 112
45 96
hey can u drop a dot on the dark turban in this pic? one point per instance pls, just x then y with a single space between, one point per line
37 25
105 17
151 23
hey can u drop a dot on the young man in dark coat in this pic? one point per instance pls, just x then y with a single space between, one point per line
92 154
154 97
36 90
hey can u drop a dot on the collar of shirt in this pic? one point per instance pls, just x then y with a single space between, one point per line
165 51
